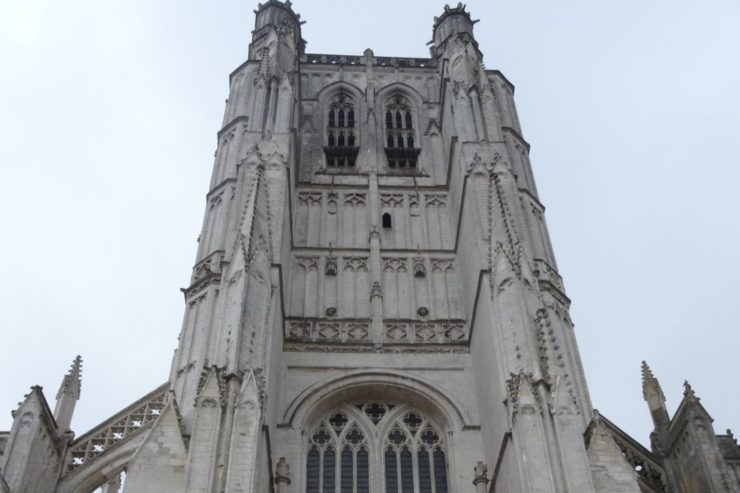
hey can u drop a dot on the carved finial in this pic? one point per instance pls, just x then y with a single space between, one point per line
376 291
72 381
419 268
688 391
282 472
480 477
68 395
330 269
731 436
651 390
480 472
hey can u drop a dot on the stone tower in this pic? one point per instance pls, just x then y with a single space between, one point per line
375 305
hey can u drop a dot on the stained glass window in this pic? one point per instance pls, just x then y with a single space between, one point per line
411 451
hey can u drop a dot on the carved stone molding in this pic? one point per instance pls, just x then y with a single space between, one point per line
391 200
220 380
333 331
376 291
395 264
354 264
433 332
550 281
442 265
330 267
376 348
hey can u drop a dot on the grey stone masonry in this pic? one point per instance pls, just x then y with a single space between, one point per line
374 307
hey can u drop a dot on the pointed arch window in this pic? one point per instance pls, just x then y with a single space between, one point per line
338 458
400 150
341 148
346 446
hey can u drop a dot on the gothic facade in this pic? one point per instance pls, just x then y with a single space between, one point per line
375 307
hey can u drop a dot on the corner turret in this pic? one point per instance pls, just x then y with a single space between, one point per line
454 22
279 18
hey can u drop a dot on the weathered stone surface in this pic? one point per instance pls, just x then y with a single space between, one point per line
374 291
611 472
159 463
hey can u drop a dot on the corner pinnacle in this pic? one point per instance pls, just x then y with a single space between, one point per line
72 381
650 386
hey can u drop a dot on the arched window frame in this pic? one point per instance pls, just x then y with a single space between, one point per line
377 420
341 136
400 127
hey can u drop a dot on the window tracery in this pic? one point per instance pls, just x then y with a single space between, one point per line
397 447
341 147
401 150
338 441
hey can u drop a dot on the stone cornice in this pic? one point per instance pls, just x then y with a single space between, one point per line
231 124
501 76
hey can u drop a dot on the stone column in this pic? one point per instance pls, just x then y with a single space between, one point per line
375 264
480 479
282 475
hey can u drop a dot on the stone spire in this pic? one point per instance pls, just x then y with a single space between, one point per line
68 395
653 395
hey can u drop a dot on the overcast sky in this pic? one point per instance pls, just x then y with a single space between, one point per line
108 120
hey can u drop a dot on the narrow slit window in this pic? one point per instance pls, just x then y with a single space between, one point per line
387 220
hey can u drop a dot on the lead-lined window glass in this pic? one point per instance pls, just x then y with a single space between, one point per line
400 151
341 150
407 448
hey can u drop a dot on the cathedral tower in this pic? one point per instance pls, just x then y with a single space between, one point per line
375 305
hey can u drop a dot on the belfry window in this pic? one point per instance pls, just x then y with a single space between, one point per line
399 129
341 138
408 451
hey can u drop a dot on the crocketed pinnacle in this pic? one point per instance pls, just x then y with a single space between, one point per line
650 385
72 381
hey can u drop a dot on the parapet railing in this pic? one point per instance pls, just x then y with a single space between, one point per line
118 429
383 61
